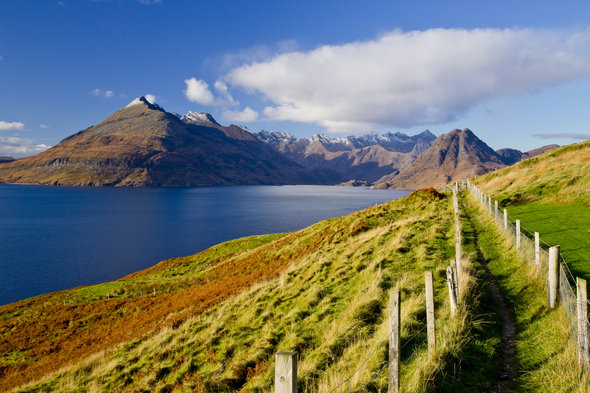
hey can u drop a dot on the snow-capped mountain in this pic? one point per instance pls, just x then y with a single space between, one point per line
199 118
399 142
275 138
365 157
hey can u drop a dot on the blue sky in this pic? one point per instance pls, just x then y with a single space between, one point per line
517 73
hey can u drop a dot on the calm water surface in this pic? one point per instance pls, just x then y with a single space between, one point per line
53 238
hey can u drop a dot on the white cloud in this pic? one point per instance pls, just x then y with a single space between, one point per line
417 78
222 89
198 91
151 98
246 116
1 58
15 125
102 94
562 136
44 126
20 147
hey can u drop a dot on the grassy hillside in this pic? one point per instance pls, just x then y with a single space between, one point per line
217 318
550 194
560 175
546 354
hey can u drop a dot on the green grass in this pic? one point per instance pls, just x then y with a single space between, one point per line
477 365
546 356
558 176
329 306
565 225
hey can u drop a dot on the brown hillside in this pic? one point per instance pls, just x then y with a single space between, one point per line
453 156
143 145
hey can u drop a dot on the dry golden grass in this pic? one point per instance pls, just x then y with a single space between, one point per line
559 175
321 292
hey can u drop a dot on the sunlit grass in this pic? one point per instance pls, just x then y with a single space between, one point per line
329 305
546 358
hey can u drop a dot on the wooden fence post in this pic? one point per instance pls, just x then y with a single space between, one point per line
496 212
582 295
537 249
553 275
431 329
518 234
394 341
452 291
286 372
505 220
455 276
458 255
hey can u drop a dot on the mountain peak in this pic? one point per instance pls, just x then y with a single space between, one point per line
199 118
143 101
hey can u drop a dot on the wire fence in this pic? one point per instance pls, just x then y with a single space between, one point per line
412 344
523 241
346 384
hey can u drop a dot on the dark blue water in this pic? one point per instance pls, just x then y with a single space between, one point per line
53 238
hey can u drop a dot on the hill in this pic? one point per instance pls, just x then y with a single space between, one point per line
452 157
214 321
143 145
559 175
512 156
550 194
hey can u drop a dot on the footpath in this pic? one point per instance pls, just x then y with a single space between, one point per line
537 352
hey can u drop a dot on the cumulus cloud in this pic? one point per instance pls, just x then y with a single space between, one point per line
562 136
151 98
20 147
405 79
15 125
102 94
198 91
246 116
44 126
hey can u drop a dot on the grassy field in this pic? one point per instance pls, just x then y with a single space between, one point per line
545 352
550 194
218 317
565 225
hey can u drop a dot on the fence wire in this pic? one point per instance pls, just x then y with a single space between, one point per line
376 375
567 281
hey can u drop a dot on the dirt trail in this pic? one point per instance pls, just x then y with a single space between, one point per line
507 376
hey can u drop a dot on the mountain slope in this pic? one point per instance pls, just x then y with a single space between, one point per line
142 144
214 321
558 175
367 157
512 156
453 156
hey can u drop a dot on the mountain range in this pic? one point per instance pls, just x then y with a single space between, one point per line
143 145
